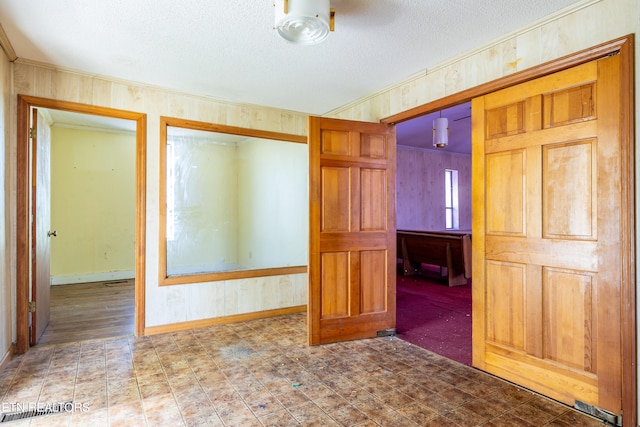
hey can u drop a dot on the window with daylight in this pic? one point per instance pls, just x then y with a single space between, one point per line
452 220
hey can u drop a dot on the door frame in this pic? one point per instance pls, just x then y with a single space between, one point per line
23 195
623 46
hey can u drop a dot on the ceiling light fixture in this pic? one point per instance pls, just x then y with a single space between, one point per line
440 132
303 21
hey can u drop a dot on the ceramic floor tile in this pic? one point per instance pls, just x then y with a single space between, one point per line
263 373
164 416
123 392
264 405
155 389
508 420
132 412
417 413
92 418
311 414
572 418
348 416
207 420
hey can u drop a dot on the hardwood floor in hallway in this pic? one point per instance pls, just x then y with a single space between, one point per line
88 311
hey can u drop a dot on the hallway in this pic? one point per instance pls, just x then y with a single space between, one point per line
88 311
262 373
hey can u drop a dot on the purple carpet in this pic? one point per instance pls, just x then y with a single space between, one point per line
434 316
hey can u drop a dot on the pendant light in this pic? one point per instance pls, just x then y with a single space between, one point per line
303 21
440 131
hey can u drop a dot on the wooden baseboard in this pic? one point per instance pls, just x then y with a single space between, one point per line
7 357
106 276
174 327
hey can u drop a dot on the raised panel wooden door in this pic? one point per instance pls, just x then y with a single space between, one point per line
546 243
41 217
352 255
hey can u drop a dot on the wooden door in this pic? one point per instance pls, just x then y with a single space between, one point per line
546 234
41 226
352 250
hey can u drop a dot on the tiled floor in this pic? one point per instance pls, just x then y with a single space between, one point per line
263 373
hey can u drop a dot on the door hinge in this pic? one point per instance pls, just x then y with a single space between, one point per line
32 133
608 417
32 306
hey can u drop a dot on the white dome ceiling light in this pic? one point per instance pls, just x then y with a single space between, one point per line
303 21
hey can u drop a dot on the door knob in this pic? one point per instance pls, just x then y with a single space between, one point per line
51 233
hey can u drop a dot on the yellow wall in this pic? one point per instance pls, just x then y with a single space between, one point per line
92 205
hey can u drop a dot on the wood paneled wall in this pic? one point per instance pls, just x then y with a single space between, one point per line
588 24
580 26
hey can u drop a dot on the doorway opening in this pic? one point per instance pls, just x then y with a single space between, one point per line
624 127
26 300
430 313
92 208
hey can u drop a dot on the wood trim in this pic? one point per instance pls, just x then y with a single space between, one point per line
162 200
625 47
141 224
628 227
550 67
181 326
163 278
23 168
229 275
33 338
212 127
22 227
5 44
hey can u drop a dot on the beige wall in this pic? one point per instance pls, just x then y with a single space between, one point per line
7 276
93 203
420 197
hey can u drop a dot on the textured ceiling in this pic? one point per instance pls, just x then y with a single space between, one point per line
228 49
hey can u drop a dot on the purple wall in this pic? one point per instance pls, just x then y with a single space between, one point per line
420 188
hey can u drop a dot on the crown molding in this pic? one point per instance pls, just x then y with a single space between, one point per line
6 45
